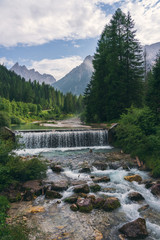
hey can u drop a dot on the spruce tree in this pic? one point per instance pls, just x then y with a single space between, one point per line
117 80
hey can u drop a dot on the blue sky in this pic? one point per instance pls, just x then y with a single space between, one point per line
54 36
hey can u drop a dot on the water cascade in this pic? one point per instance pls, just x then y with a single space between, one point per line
64 139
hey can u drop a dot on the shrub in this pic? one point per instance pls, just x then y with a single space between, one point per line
15 120
4 119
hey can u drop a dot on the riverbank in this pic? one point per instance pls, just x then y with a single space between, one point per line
53 218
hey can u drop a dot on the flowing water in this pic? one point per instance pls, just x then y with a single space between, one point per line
58 220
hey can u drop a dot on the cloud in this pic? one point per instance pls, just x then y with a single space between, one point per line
6 62
57 67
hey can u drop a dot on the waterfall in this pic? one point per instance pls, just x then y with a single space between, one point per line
64 139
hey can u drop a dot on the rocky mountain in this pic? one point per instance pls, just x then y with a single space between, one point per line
32 74
77 79
151 52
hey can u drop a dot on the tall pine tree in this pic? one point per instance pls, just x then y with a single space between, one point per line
117 80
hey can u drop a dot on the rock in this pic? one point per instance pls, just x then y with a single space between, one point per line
100 165
80 182
95 187
155 189
148 183
85 170
31 189
143 208
36 209
98 235
58 202
56 168
82 195
84 205
135 196
132 178
74 207
135 229
50 194
92 197
111 203
59 186
81 189
71 199
114 165
98 203
101 179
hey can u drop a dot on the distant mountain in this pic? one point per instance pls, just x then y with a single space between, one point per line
32 74
151 52
77 79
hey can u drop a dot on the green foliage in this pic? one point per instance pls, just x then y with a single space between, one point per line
4 119
4 206
15 120
138 134
116 83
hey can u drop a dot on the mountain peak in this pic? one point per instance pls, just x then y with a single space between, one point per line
88 58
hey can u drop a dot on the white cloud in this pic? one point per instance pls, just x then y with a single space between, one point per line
57 67
6 62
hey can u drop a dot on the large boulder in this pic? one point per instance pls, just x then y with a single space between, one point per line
136 178
50 194
99 202
59 186
155 189
31 189
101 179
81 189
71 199
84 205
85 170
111 203
135 196
56 168
135 229
95 187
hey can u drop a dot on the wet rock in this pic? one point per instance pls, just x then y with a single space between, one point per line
50 194
136 178
111 203
71 199
92 197
101 179
135 229
98 203
31 189
114 165
36 209
81 189
100 165
82 195
74 207
135 196
85 170
145 207
111 190
95 187
155 189
148 183
59 186
84 205
80 182
98 235
56 168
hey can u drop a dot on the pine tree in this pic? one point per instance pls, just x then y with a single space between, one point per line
117 80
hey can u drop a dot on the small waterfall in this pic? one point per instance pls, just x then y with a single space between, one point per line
64 139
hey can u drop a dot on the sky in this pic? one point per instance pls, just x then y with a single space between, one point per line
54 36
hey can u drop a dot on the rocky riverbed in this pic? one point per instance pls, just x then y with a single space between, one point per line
90 196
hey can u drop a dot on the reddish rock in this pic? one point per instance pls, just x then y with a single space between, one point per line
84 205
135 229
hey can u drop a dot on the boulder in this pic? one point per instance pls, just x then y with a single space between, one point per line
100 165
81 189
56 168
95 187
111 203
50 194
35 209
135 196
155 189
71 199
145 207
148 183
101 179
79 182
31 189
132 178
99 202
85 170
135 229
59 186
74 207
84 205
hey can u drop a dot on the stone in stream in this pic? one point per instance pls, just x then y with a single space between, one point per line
111 203
56 168
136 178
71 199
84 205
74 207
155 189
135 229
95 187
85 170
31 189
50 194
98 203
135 196
81 189
59 186
101 179
100 165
